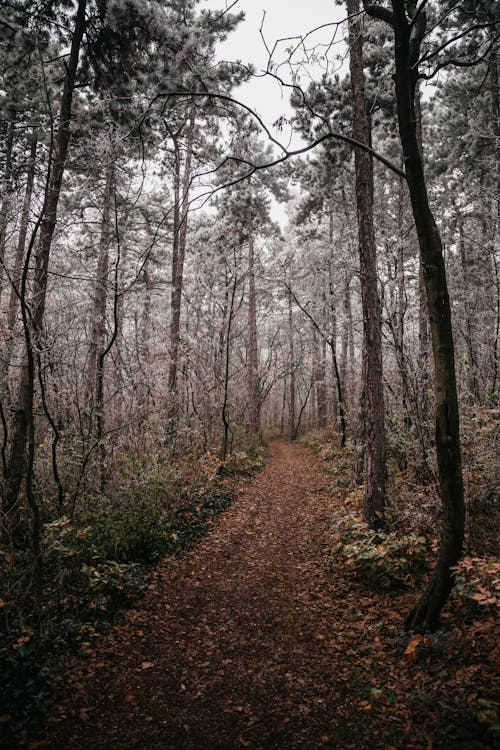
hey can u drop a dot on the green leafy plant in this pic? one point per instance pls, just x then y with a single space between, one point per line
243 462
384 559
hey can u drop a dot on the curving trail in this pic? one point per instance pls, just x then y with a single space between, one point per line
234 646
245 642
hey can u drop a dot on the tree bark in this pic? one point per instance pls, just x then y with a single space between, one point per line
471 372
374 500
98 324
409 32
6 192
23 415
227 362
495 107
424 380
339 382
181 211
254 425
291 367
144 353
15 279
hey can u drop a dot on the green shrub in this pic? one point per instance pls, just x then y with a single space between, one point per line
384 559
131 533
243 462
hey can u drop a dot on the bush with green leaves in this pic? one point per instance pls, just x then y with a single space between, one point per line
477 579
386 560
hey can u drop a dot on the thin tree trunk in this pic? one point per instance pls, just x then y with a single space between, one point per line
344 337
291 367
225 411
374 500
424 369
15 279
118 358
23 415
181 210
339 383
495 107
301 410
284 399
6 192
396 322
335 406
254 425
319 403
143 386
98 325
471 373
21 240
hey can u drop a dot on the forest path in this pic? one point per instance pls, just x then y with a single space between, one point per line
247 641
235 647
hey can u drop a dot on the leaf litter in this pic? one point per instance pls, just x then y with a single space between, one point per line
248 641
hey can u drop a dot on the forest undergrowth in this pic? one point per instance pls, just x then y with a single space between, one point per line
99 563
450 675
284 628
98 560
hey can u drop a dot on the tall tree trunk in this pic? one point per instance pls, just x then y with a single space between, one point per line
346 369
6 191
23 415
409 32
344 336
254 425
374 478
339 382
424 369
495 108
119 360
100 296
15 280
291 367
181 210
98 346
319 400
471 373
227 361
144 353
401 307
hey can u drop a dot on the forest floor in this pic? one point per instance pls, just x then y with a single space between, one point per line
246 641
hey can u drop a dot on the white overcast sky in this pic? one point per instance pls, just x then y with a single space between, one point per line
282 19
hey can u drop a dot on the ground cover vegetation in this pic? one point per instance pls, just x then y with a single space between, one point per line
158 326
268 635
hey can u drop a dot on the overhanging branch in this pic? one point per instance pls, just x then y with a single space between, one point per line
286 153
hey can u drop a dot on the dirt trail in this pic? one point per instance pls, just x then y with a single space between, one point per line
234 647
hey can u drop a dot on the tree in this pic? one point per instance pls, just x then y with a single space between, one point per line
373 392
22 428
409 24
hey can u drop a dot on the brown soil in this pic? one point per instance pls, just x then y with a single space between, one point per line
244 642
